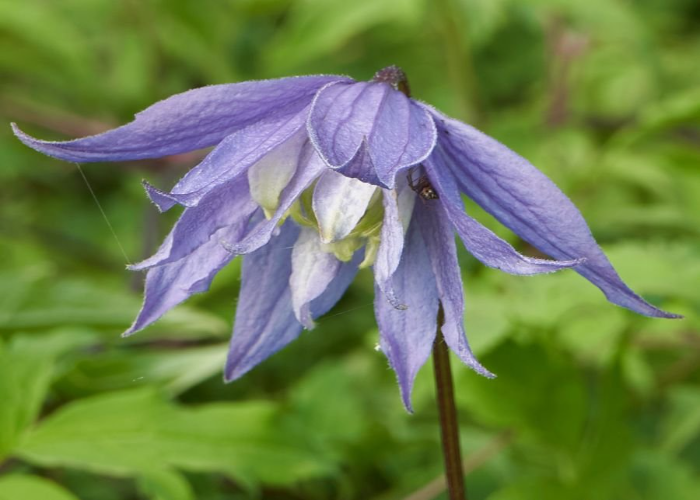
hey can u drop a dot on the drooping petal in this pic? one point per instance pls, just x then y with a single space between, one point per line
369 131
312 271
526 201
265 321
442 252
309 168
233 157
339 203
228 205
162 200
407 335
170 284
398 206
192 120
481 242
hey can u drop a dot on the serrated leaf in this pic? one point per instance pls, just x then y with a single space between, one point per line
127 432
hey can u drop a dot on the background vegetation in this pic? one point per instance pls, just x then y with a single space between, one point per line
592 401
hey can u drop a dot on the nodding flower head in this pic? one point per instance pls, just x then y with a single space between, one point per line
312 178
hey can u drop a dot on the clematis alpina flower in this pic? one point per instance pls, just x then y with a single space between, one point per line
312 178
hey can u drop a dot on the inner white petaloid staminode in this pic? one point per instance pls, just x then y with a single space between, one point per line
346 213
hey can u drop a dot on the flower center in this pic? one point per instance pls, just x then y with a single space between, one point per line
394 76
367 230
365 234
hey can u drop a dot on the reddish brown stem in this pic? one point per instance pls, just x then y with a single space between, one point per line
449 426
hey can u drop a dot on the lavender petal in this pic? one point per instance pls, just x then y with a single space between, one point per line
265 321
407 335
173 283
523 199
233 157
191 120
369 131
442 252
228 205
481 242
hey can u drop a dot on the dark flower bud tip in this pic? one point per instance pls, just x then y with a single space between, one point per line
394 76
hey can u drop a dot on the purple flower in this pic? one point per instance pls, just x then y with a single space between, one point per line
312 178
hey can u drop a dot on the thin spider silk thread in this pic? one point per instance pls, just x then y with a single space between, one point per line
348 310
126 257
104 214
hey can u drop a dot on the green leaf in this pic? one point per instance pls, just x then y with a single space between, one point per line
316 27
26 487
52 37
483 19
600 459
681 108
537 393
546 301
594 336
163 484
243 440
128 432
565 301
326 401
639 169
32 298
682 423
655 476
637 371
660 261
488 317
175 370
112 434
26 368
531 489
609 444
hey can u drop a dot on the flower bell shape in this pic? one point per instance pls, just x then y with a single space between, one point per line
312 178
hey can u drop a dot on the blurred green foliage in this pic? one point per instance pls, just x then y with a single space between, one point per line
592 401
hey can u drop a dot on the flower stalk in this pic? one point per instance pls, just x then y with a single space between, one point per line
447 411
